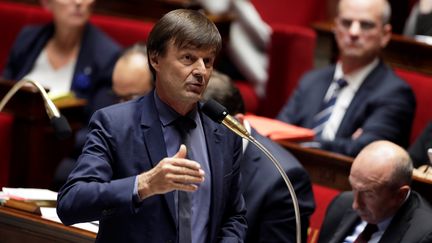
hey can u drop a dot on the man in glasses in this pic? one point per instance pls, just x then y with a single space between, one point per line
359 99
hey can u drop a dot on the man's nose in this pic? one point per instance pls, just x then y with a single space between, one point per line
355 28
199 67
356 202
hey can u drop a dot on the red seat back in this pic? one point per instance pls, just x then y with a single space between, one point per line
6 121
421 85
323 196
291 54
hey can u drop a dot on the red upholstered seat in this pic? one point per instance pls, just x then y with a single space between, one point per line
421 85
323 196
6 121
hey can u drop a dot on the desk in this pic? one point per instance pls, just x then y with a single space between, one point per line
401 51
332 169
18 226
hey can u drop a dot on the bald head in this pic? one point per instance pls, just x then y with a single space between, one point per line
380 179
384 160
132 76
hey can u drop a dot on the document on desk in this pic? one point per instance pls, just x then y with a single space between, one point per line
51 214
33 194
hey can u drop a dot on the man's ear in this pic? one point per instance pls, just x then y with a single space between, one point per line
154 61
387 34
403 192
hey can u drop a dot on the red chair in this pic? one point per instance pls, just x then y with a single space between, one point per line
291 11
323 196
421 85
291 54
6 121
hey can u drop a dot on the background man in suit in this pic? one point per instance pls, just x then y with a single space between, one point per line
358 100
270 211
131 78
135 174
381 196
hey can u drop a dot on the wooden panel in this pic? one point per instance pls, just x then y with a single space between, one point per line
17 227
332 169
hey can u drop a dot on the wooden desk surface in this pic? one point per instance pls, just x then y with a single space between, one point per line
18 226
401 51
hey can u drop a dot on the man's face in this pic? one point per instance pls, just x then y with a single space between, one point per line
360 32
182 74
374 199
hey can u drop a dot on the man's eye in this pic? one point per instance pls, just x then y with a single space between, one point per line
346 23
367 25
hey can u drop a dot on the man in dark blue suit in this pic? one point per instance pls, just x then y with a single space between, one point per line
270 211
360 99
137 177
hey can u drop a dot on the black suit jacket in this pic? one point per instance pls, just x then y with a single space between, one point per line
411 224
418 150
270 211
383 107
93 70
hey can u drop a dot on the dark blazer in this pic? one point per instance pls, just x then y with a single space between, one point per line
93 70
418 150
411 224
383 107
127 139
270 211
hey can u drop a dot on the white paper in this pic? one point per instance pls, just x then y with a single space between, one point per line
51 214
30 194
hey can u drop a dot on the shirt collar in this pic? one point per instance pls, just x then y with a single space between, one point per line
167 115
356 78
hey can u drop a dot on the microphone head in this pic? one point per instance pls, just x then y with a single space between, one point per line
61 127
214 110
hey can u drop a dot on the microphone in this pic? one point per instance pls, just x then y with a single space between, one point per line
58 121
219 114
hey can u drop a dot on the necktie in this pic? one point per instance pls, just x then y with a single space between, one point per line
184 125
326 109
366 234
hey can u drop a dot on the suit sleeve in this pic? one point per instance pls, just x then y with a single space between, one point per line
292 109
91 191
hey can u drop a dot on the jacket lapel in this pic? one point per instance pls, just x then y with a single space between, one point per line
345 226
154 141
213 138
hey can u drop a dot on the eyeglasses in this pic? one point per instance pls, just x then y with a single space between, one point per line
365 25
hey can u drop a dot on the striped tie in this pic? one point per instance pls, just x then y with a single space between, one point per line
324 114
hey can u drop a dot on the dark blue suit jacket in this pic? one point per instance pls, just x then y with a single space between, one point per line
126 140
270 211
93 70
412 222
383 107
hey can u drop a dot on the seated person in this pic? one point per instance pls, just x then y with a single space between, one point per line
418 150
419 21
360 99
381 206
67 55
270 211
131 78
